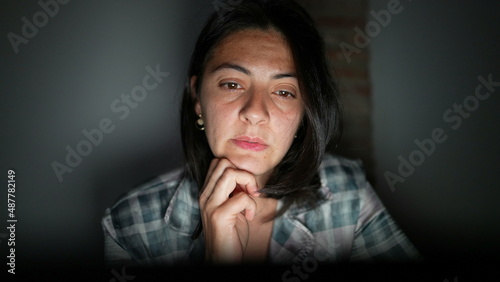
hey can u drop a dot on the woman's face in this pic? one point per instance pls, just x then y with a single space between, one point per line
250 100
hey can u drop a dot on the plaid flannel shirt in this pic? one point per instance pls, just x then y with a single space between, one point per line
153 223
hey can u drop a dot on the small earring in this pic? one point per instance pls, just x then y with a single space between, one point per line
200 124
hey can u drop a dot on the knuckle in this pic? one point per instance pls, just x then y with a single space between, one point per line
214 162
216 214
225 163
227 174
244 198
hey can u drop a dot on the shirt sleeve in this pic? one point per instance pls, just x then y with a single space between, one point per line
114 254
377 236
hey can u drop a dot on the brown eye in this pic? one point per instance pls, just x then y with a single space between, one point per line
284 94
230 85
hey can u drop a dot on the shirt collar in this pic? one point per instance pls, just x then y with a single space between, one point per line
183 211
324 192
291 240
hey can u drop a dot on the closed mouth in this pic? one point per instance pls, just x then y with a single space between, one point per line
249 143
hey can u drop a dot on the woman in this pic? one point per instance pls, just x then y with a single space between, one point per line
259 113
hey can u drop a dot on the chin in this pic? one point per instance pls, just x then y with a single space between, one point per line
252 164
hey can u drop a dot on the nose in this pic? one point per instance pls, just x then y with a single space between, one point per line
254 109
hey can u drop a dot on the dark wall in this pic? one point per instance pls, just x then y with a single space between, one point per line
426 64
68 76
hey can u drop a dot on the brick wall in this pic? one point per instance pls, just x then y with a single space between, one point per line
336 20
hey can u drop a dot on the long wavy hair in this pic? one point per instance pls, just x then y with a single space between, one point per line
295 179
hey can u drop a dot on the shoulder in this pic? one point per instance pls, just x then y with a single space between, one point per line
344 183
339 174
161 188
141 220
147 203
343 186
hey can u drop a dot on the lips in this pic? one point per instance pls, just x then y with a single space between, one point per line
248 143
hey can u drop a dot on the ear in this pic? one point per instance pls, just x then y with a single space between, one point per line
194 95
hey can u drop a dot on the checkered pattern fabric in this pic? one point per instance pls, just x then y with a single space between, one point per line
153 223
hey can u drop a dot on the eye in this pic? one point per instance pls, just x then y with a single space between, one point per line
230 85
285 94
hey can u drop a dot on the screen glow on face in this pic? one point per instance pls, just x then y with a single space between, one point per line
250 100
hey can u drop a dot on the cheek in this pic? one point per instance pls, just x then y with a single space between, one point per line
286 137
289 127
216 118
217 127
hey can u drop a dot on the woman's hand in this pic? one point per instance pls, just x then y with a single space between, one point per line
226 207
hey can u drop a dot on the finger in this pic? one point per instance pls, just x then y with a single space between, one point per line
239 203
228 181
211 168
216 169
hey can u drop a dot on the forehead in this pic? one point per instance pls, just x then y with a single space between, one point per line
255 48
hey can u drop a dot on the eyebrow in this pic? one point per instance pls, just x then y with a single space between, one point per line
247 72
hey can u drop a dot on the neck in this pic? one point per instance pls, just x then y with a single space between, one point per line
262 179
266 207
